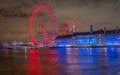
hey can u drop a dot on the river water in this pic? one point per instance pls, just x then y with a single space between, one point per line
60 61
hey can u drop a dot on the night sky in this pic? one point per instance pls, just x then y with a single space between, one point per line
14 15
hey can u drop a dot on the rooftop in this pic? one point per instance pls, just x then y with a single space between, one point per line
105 32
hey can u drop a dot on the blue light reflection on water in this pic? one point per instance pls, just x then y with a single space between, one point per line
98 61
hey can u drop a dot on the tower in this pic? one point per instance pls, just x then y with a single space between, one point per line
91 29
74 29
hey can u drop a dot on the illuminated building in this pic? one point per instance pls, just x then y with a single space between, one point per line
63 29
99 37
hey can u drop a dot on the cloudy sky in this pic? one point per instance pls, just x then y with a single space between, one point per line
14 15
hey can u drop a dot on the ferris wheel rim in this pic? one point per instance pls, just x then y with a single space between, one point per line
51 13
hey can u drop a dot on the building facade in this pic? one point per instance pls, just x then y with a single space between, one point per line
100 37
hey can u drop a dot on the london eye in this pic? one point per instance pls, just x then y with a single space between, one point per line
47 30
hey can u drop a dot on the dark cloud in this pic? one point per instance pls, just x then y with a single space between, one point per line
100 13
14 15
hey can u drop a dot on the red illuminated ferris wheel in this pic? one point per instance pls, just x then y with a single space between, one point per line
47 36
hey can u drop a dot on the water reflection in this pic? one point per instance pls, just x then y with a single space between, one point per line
34 68
84 61
42 62
60 61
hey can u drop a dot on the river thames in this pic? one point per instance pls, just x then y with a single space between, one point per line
60 61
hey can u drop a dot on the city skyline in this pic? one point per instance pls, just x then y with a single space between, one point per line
14 14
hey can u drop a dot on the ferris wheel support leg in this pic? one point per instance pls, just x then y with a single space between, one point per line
45 34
